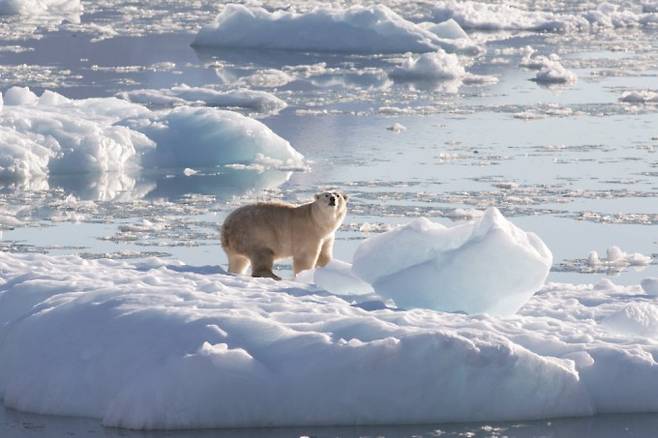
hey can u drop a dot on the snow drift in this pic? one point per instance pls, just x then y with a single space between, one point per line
53 135
488 265
174 346
375 29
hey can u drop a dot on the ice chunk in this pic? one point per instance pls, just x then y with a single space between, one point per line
375 29
553 72
397 128
488 265
201 137
336 277
639 97
430 66
20 96
260 101
449 29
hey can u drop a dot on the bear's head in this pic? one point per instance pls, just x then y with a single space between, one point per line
332 205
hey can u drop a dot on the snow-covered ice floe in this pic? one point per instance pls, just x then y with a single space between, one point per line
150 345
51 134
553 72
260 101
40 7
358 29
487 265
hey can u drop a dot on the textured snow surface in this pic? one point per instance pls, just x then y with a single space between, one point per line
51 134
39 7
487 265
176 346
375 29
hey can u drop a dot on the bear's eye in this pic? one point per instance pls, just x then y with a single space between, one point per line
326 196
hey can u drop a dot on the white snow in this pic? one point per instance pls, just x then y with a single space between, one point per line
260 101
40 7
448 29
151 345
51 134
375 29
487 265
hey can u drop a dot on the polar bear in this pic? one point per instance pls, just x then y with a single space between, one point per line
262 233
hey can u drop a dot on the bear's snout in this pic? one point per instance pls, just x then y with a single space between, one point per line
332 200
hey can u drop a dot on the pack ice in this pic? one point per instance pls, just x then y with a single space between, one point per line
485 266
51 134
375 29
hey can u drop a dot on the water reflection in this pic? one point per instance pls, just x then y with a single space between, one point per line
15 424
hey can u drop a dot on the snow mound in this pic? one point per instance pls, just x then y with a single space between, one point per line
375 29
40 7
488 265
552 72
260 101
430 66
54 135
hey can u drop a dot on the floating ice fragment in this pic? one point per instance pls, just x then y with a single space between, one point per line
554 73
430 66
397 128
639 97
488 265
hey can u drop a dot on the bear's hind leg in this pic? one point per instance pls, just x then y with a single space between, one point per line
262 262
237 263
326 252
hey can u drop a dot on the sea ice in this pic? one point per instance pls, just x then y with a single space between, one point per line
488 265
639 97
375 29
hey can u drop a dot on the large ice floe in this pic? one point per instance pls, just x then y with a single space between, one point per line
375 29
40 7
487 265
53 135
154 345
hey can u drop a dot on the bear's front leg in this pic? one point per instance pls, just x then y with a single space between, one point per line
326 252
305 259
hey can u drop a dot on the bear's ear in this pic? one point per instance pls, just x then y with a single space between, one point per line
344 196
317 196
